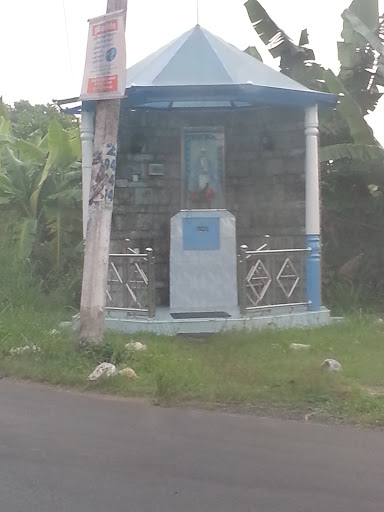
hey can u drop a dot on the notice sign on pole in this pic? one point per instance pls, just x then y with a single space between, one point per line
104 74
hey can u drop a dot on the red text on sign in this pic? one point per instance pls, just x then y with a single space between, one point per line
105 28
102 84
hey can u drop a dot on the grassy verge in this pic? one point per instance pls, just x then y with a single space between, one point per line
239 368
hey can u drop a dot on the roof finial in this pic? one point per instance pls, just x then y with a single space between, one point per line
198 12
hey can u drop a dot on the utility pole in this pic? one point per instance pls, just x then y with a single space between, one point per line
96 256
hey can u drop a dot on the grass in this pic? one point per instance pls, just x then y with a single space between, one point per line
242 368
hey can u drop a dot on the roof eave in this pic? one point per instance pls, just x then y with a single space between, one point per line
143 96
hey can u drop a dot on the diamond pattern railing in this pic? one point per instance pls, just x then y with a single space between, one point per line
131 283
258 282
271 278
288 278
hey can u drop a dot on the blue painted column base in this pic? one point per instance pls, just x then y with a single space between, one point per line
313 271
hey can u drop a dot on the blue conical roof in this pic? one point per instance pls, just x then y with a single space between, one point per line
200 69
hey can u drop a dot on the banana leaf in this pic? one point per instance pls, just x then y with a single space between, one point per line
63 223
25 236
367 11
370 37
35 137
361 53
30 152
5 126
277 41
361 132
353 151
64 148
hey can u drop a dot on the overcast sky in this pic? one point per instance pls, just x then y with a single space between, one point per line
43 42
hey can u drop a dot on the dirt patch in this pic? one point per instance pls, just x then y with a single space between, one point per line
374 390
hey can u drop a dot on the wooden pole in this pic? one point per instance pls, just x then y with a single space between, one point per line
96 256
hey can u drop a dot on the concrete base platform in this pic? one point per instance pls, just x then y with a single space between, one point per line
281 318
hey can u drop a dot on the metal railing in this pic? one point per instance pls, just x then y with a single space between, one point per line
131 283
271 278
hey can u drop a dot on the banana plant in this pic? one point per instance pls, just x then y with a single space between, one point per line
5 132
17 182
361 53
361 60
39 185
352 171
62 215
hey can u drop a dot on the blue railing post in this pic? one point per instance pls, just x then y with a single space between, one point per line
313 273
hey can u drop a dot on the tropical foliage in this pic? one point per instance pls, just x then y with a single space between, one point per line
26 118
352 159
40 196
361 55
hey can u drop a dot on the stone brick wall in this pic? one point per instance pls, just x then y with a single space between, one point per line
264 178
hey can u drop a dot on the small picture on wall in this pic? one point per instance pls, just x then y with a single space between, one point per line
203 169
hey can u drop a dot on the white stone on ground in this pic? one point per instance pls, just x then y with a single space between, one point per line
103 370
136 346
299 346
22 350
331 365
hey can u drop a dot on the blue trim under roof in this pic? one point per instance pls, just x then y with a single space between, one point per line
222 96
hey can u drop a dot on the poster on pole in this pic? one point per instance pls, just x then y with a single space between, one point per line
104 73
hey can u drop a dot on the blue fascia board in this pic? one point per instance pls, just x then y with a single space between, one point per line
73 111
143 97
163 97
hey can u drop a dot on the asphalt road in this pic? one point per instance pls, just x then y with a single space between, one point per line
70 452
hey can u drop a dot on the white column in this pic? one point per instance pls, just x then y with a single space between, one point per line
312 208
87 129
312 220
312 215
